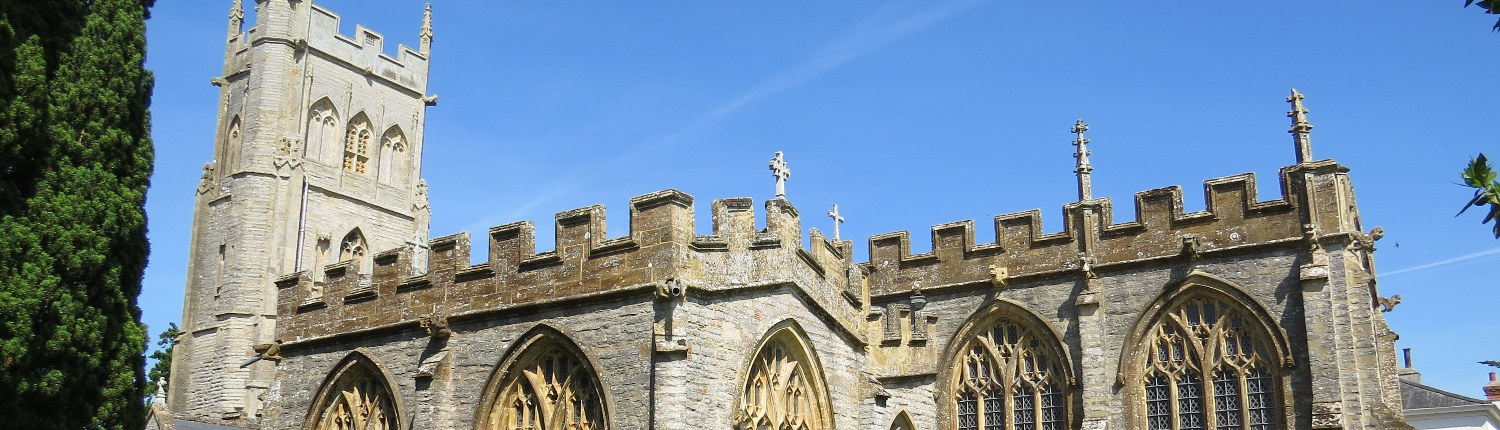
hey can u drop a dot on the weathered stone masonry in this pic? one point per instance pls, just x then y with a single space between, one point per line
278 197
311 250
671 318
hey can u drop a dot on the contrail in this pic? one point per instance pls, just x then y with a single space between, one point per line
885 26
1448 261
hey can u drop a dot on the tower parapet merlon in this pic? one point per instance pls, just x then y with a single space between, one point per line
661 245
365 51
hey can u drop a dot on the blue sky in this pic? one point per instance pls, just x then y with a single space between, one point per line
913 113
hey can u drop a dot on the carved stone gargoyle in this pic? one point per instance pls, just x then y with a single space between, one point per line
1388 304
436 325
999 275
1190 247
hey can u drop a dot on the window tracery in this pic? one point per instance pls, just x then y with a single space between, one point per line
1009 377
548 388
353 246
357 145
359 400
322 129
781 390
1207 367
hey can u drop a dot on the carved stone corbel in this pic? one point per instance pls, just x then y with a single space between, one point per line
436 325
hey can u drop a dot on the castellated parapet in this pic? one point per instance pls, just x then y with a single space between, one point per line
660 249
670 318
365 51
1234 221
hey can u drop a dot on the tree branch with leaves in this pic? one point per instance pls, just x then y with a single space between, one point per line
1481 177
1491 7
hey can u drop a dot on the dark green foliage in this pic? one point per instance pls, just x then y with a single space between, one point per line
1481 178
1491 7
162 370
75 159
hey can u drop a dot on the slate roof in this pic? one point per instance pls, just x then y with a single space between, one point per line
1418 396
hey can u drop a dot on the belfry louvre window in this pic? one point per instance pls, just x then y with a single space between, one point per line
1009 377
548 388
1207 367
357 145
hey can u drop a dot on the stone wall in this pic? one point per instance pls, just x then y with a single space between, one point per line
883 332
268 205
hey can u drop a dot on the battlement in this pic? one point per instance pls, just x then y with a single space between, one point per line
366 50
316 29
1162 229
661 246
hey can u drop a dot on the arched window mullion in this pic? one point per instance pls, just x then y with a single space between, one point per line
1219 381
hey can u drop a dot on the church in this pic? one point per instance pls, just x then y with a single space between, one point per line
318 300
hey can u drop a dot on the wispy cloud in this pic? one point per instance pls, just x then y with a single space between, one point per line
886 25
1444 262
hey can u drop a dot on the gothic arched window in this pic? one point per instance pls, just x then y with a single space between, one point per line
322 131
357 144
783 389
358 399
1207 366
230 160
547 387
1009 376
393 157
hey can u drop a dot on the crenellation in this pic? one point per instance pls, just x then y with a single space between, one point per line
1233 219
365 52
582 264
317 173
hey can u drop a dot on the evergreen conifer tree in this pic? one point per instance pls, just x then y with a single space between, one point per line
75 160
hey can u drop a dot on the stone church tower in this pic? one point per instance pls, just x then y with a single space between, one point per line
317 160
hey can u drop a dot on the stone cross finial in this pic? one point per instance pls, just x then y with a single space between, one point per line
837 219
236 20
1085 184
1301 130
426 34
781 172
161 392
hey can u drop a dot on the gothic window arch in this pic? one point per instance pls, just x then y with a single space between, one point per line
354 247
1009 373
322 132
229 160
903 422
357 396
395 160
357 144
548 385
1207 363
783 387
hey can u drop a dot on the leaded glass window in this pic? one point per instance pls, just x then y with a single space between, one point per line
548 388
358 400
1208 368
1009 378
781 390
